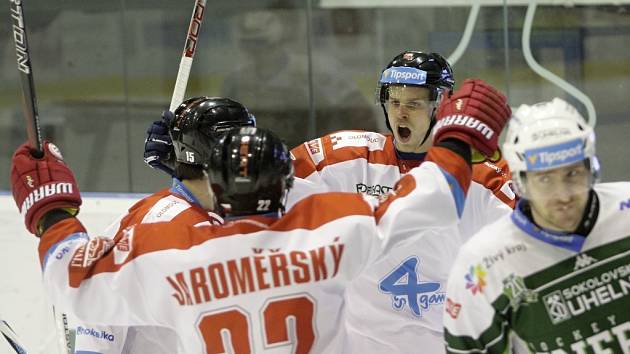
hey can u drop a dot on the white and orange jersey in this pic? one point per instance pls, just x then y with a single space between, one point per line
365 162
166 205
405 289
255 284
174 205
351 161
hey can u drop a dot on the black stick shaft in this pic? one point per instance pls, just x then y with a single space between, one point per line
29 100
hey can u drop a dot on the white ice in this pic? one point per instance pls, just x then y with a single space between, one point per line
23 303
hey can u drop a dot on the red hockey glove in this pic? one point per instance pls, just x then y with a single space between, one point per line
41 185
474 114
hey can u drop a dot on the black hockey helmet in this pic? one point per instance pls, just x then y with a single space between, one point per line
200 122
414 68
251 171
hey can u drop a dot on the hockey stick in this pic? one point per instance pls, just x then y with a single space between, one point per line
31 116
187 56
29 102
11 337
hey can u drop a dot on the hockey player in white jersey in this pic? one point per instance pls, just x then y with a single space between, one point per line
409 91
554 277
405 290
196 125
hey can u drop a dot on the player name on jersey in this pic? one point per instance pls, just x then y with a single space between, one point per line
266 268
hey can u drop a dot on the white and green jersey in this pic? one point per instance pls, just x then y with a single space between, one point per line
516 286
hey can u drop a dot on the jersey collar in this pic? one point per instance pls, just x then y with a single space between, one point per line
414 156
179 188
568 241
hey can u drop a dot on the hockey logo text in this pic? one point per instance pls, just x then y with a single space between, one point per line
588 294
29 181
19 35
372 141
264 270
89 253
502 254
81 331
375 190
608 337
470 122
193 31
546 157
45 192
453 308
315 150
404 75
405 288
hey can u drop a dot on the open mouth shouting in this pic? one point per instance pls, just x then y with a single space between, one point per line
404 133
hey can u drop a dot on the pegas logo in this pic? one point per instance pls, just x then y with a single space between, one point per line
375 190
556 155
404 75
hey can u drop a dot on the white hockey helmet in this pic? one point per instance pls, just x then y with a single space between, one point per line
546 136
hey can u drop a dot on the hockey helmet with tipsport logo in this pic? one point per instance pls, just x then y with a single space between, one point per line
200 122
546 136
414 68
251 172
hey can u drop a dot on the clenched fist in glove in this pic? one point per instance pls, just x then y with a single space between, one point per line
474 114
158 146
40 185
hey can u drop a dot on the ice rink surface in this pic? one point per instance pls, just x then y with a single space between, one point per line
23 303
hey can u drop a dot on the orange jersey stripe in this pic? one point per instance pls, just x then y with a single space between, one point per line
495 176
325 149
452 163
99 254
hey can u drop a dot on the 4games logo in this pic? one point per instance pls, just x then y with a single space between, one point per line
19 35
405 288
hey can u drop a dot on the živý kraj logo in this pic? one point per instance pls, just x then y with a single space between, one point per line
476 279
405 287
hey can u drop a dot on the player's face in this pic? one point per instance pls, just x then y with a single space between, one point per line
558 197
408 110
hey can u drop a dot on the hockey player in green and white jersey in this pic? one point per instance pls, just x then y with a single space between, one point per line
554 276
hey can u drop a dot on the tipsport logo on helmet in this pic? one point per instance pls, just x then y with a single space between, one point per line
404 75
554 156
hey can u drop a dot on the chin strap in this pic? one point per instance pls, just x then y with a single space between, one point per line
426 135
589 217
